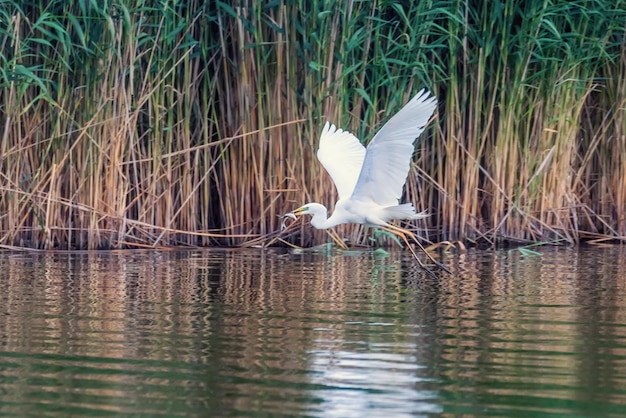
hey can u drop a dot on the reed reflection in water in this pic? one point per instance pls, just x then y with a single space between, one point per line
197 333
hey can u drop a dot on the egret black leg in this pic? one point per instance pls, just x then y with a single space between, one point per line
401 232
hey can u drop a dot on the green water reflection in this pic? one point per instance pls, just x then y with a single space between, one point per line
261 333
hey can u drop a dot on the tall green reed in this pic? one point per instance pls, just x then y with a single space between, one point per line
197 122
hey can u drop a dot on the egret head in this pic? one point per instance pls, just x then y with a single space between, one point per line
319 213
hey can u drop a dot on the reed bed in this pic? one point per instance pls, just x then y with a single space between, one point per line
196 123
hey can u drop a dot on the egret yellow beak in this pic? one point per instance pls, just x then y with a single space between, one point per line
298 212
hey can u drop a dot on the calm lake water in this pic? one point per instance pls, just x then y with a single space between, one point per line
265 333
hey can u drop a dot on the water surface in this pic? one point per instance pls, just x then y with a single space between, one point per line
267 333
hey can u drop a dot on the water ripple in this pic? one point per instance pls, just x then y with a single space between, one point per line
261 333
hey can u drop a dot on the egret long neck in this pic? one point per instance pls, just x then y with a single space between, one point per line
320 220
323 222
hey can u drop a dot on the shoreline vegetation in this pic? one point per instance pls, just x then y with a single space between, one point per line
196 123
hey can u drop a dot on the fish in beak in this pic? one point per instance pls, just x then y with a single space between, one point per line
288 215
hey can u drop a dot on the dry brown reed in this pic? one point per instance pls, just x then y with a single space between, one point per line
197 123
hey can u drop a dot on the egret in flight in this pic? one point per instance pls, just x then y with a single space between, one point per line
370 181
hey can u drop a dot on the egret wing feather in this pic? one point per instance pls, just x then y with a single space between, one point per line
342 155
388 156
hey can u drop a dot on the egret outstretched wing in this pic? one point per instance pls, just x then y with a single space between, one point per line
342 156
388 156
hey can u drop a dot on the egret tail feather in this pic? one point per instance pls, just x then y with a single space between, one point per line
404 211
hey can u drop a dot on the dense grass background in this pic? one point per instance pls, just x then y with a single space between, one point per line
191 122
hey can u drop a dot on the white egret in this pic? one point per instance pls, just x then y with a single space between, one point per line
370 181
